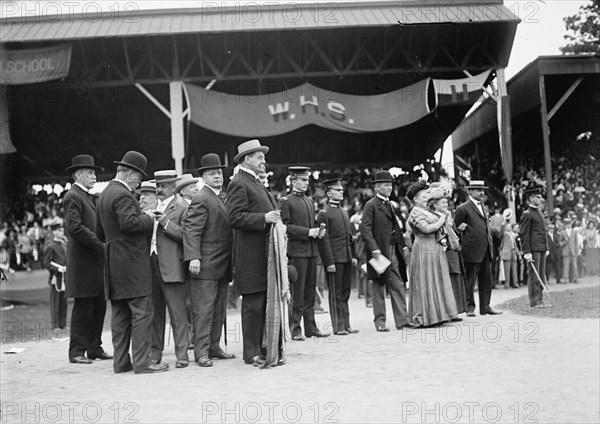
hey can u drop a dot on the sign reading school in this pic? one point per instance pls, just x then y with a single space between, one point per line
34 65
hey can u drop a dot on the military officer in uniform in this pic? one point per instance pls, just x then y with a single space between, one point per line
298 214
534 245
338 256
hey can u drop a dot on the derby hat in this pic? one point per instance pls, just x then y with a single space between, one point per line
383 177
186 179
134 160
83 161
474 184
147 187
248 147
210 161
165 176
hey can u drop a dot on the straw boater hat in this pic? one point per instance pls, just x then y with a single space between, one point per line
147 187
477 184
165 176
248 147
83 161
134 160
210 161
186 180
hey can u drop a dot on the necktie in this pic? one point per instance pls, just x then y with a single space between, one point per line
222 196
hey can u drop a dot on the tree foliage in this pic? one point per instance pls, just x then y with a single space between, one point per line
583 30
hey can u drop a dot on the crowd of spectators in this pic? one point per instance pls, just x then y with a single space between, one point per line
576 192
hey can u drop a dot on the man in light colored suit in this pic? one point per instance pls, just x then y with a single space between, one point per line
207 243
570 251
508 254
168 272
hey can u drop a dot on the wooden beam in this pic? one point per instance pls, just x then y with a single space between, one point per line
546 136
564 97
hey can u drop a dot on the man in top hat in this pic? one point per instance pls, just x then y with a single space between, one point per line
125 230
298 214
383 237
187 188
251 209
147 196
207 242
471 221
570 251
338 255
534 245
85 272
168 270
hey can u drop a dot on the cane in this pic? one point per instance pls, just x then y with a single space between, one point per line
544 286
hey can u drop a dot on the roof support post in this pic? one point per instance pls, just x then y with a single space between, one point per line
546 136
177 139
505 138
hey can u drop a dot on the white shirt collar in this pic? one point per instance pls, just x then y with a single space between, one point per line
217 192
249 171
477 202
81 187
189 202
124 183
385 199
166 202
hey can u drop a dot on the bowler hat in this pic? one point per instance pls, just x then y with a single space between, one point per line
248 147
474 184
165 176
210 161
186 179
382 177
83 161
134 160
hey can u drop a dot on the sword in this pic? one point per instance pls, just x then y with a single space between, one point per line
544 286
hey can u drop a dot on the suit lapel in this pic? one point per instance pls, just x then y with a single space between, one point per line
476 209
385 208
215 198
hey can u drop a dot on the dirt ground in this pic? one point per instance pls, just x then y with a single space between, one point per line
508 368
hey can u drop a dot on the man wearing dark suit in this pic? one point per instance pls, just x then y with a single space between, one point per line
382 236
570 251
298 214
168 270
338 256
554 255
476 243
250 211
125 230
207 242
533 241
84 264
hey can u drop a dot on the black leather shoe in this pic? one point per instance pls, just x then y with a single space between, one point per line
255 360
80 360
154 368
102 356
383 329
281 362
204 361
491 311
318 334
457 319
351 331
341 333
182 363
221 355
470 314
298 338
